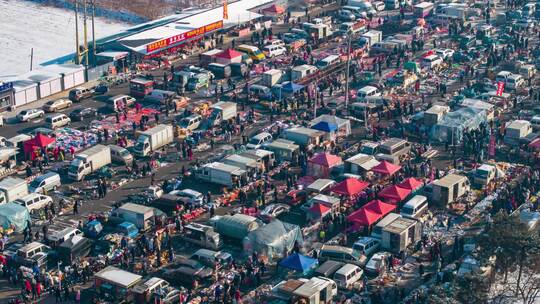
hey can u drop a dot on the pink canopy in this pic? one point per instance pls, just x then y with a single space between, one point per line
386 168
411 184
326 159
394 193
350 186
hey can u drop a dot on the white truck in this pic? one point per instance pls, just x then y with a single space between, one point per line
371 37
12 188
221 174
89 161
272 77
153 139
221 111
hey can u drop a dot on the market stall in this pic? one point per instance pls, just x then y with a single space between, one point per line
350 187
318 211
343 125
386 168
228 56
321 164
394 194
272 239
370 213
298 262
13 217
33 147
411 183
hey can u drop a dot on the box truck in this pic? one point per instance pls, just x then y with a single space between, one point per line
221 174
222 111
12 188
89 161
371 37
271 77
141 216
153 139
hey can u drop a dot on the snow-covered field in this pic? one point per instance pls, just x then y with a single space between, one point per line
50 31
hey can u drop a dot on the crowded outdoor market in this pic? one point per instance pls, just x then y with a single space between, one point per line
282 152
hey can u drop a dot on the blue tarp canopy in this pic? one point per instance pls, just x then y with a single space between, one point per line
291 87
325 126
298 262
14 215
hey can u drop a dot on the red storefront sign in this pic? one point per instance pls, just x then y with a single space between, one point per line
184 36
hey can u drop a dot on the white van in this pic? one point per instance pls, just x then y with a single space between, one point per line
367 91
366 245
328 61
431 62
63 235
34 202
121 155
347 275
415 208
274 50
49 181
191 123
502 76
258 140
57 121
535 122
120 102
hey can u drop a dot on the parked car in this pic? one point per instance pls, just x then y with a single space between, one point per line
274 210
58 104
345 15
79 94
186 271
296 197
189 196
101 88
82 114
377 262
27 115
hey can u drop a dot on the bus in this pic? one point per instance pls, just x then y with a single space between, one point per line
422 10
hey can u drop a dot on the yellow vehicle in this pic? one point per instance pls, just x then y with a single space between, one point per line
254 53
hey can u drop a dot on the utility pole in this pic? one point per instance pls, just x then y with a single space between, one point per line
77 49
347 73
85 19
31 58
94 51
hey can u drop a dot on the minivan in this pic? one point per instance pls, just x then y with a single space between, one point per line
367 91
57 121
347 275
259 140
191 123
49 181
78 94
33 253
120 102
366 245
210 257
514 81
328 61
160 96
254 53
415 208
120 155
260 91
274 50
341 254
34 201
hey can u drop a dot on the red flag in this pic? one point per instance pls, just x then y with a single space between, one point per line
500 88
225 10
491 145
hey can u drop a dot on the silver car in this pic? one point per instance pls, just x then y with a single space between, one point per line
27 115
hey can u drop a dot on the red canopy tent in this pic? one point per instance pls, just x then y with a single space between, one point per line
379 207
229 56
38 142
394 193
274 10
349 187
320 164
386 168
318 211
363 217
411 184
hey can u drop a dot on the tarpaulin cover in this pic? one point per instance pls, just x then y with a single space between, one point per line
14 215
325 126
394 193
350 186
298 262
386 168
272 238
411 184
452 125
343 125
291 87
